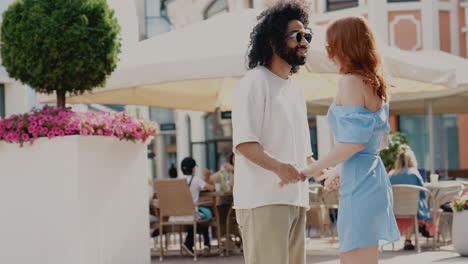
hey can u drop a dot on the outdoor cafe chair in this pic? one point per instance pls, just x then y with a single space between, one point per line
406 204
176 208
443 220
232 231
330 200
316 215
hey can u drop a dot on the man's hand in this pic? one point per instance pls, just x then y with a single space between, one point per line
287 173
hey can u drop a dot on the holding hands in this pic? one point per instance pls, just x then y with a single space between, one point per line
289 174
332 180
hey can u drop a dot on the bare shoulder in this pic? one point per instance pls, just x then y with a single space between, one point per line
352 91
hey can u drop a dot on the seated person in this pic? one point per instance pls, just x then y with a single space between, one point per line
196 185
227 173
406 172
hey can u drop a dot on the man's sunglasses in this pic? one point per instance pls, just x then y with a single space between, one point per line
297 36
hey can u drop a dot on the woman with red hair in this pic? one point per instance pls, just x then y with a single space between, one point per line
358 119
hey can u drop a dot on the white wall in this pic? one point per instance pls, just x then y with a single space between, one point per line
197 134
182 136
16 98
126 14
324 136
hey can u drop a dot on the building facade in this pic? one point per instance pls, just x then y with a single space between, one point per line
15 97
407 24
415 25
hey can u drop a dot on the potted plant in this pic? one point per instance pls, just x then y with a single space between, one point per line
390 153
73 186
460 221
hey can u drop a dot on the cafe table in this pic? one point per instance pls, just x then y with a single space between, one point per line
439 189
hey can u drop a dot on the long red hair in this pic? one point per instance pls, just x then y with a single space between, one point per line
352 44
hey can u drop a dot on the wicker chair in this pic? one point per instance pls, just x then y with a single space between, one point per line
316 216
233 236
443 219
406 203
175 200
331 201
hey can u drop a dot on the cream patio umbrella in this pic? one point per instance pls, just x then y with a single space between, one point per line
412 75
199 66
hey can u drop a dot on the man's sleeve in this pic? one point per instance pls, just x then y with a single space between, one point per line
248 111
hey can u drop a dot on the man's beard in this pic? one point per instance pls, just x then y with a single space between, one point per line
290 56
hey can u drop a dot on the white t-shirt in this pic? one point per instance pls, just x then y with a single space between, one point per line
196 186
271 111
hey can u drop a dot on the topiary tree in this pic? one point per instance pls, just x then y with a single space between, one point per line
389 154
60 45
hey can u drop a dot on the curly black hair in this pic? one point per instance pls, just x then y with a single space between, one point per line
272 28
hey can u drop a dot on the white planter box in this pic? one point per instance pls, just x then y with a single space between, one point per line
460 232
74 200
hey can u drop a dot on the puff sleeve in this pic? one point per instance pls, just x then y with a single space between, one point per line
355 127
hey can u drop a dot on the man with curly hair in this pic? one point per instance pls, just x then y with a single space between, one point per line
271 139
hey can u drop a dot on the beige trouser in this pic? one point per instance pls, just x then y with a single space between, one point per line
273 234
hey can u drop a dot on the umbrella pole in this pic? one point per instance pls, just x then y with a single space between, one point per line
430 123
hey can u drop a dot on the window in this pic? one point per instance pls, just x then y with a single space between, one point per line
157 21
216 7
445 140
218 144
2 100
333 5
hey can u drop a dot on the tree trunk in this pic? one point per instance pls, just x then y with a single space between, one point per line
61 98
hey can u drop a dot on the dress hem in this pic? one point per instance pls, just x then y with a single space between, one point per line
365 245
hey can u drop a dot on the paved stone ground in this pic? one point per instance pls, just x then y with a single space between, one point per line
322 251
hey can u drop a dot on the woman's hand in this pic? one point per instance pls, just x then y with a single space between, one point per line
314 172
332 181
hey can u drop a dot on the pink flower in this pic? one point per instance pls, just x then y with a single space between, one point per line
50 134
32 129
25 137
61 122
108 132
59 131
119 134
44 130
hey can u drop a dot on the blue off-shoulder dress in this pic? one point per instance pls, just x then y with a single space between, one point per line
365 214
